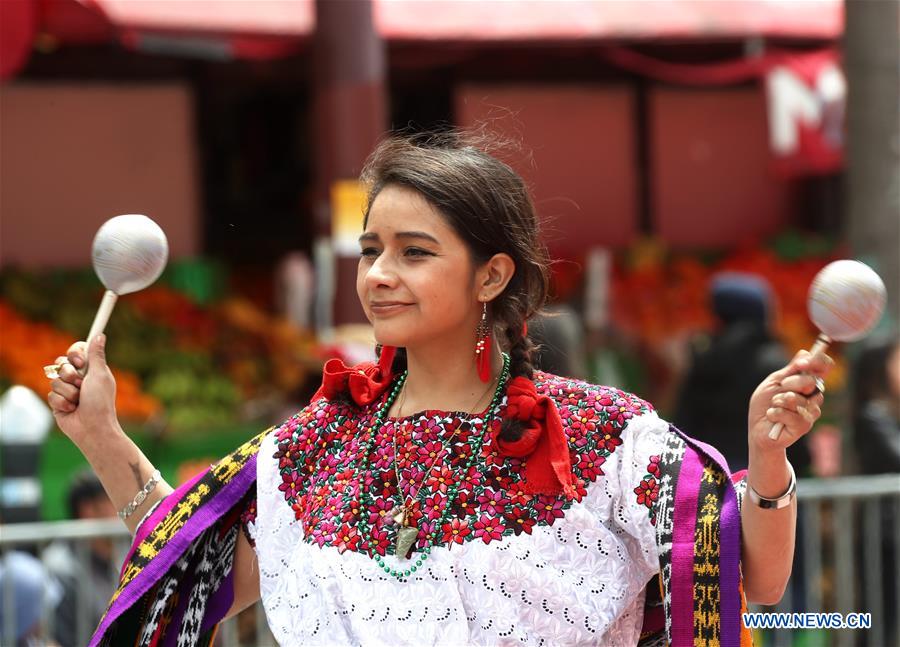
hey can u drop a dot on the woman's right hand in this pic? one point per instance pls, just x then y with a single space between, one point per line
84 405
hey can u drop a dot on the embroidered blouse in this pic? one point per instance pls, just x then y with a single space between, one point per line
504 568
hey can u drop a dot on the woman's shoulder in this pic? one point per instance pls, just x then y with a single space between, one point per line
599 420
578 397
316 416
615 437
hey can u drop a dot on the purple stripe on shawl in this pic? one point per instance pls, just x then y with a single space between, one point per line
684 523
142 531
202 519
729 554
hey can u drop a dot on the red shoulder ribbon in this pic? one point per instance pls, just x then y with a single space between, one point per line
548 469
364 383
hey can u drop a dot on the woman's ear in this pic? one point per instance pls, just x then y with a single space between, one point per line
493 276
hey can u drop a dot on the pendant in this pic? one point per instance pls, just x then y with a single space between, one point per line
400 517
406 538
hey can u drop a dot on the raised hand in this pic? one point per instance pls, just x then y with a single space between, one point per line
84 404
790 396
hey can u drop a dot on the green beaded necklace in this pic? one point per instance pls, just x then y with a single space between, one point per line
365 498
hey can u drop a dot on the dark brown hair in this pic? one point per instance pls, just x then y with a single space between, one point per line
487 204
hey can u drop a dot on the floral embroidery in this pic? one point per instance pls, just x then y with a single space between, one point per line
519 521
648 489
248 517
318 451
456 530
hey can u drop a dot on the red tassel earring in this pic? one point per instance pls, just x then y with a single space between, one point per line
483 346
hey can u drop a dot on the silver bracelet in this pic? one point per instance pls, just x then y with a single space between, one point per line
141 496
780 502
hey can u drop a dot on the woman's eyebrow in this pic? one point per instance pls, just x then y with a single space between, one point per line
417 234
371 236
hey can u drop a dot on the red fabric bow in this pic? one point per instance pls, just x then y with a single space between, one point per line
364 382
548 469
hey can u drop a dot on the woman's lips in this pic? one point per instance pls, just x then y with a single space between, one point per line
387 307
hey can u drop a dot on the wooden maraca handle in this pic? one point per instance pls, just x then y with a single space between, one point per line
100 321
821 345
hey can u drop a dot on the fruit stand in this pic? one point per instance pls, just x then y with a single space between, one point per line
200 370
194 379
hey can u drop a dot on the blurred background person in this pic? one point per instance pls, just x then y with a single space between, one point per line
89 574
876 407
726 367
876 429
32 590
559 336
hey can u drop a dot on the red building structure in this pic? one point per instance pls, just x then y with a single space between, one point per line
637 118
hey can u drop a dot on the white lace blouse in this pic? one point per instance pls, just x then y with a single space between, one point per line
504 568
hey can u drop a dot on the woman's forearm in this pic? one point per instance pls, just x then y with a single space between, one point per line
767 533
123 469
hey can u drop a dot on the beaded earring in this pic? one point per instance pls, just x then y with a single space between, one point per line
483 346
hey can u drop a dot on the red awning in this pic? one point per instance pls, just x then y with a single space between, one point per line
262 17
274 28
499 20
18 27
221 29
469 20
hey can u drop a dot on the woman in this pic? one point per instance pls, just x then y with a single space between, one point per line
450 494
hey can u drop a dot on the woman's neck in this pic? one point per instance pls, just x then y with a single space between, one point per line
446 378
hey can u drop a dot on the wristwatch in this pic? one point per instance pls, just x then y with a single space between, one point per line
775 504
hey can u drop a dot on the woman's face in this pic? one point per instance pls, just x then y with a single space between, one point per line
415 280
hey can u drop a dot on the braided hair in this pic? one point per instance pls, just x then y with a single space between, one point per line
488 206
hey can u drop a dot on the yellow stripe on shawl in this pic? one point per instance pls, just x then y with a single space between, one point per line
221 473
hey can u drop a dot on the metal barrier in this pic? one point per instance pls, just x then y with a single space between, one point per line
36 537
846 528
248 628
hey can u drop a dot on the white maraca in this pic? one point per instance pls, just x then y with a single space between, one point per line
129 253
845 302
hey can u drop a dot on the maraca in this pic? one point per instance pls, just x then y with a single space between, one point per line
129 253
845 301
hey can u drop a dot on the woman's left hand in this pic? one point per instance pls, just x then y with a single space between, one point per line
789 396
